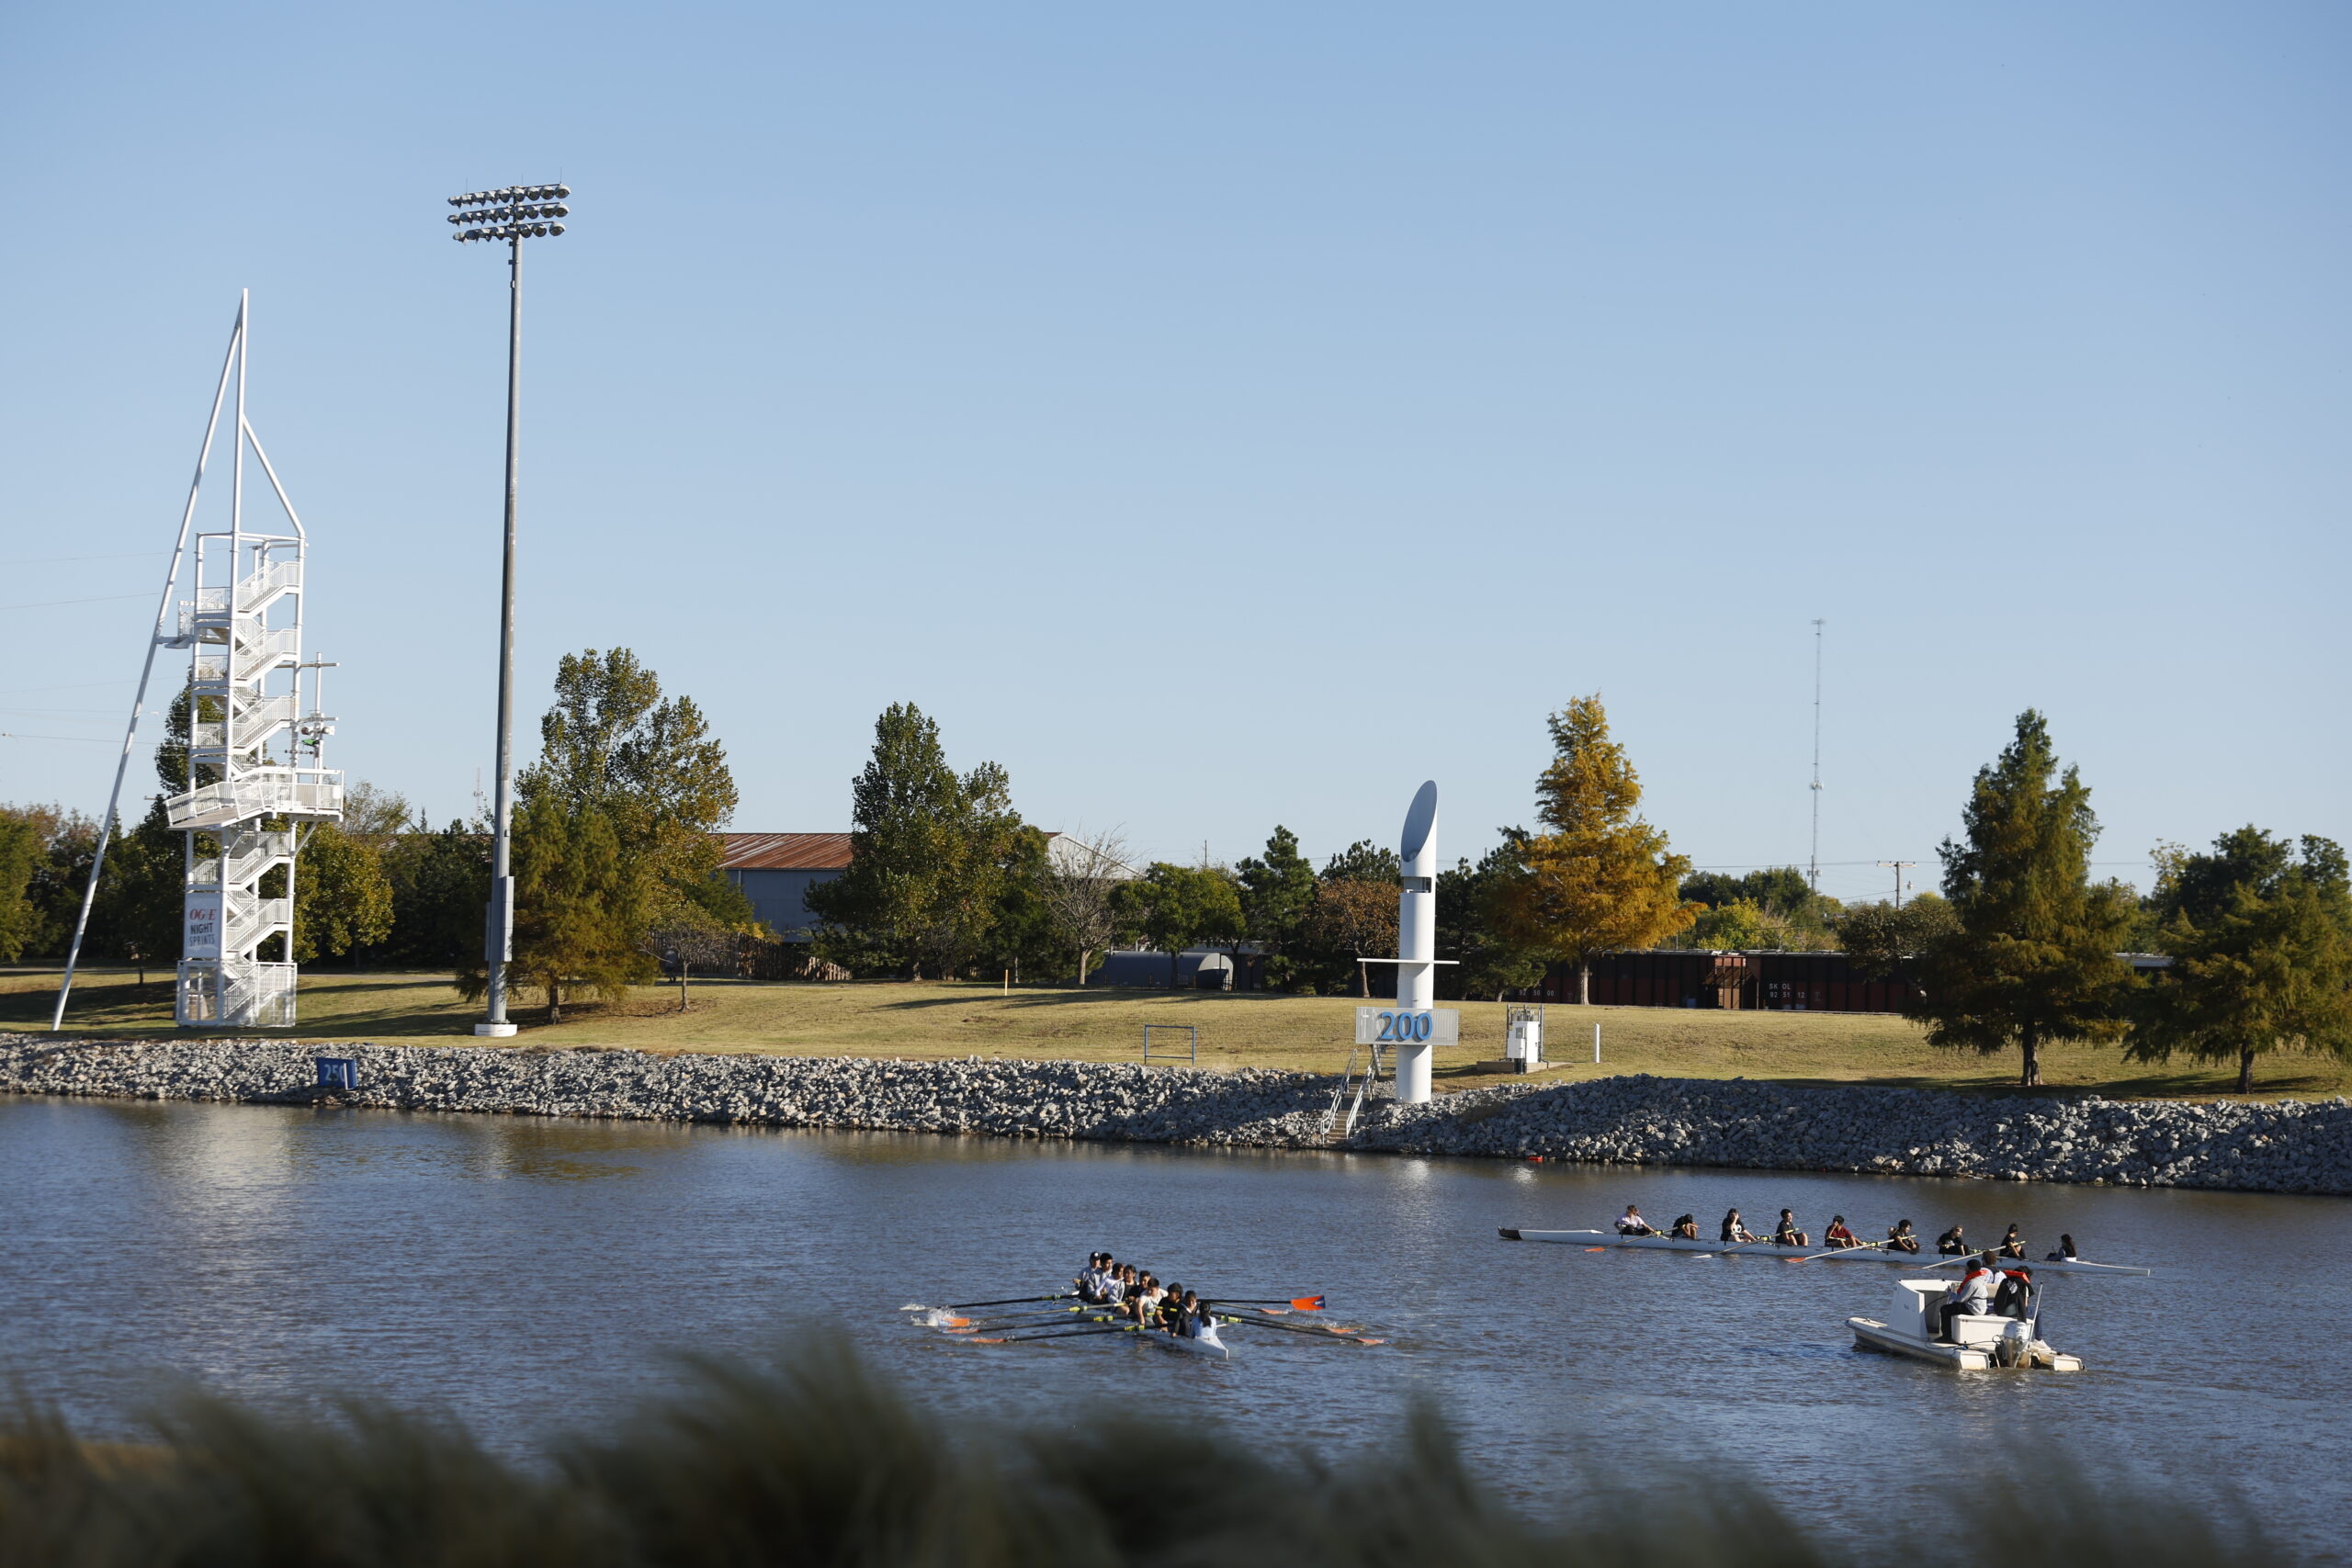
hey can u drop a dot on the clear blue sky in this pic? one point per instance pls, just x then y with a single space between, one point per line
1232 415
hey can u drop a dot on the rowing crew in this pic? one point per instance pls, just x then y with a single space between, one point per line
1137 1295
1900 1238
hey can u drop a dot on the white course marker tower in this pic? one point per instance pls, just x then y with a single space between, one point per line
1417 937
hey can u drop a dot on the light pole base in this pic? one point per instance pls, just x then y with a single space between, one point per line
496 1031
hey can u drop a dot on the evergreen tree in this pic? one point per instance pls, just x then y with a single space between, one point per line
1276 894
1601 878
2261 943
930 856
649 767
583 906
1365 861
440 883
2032 959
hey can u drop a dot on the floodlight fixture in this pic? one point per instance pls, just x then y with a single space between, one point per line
513 214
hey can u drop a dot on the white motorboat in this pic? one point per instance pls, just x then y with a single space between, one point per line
1864 1254
1980 1344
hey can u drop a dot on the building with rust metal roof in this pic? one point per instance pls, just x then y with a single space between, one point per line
777 870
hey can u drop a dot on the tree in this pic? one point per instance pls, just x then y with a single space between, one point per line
1601 878
930 853
650 767
1276 894
1781 889
2032 958
139 913
343 900
1355 920
22 847
1079 883
1365 862
2261 943
1484 959
582 907
1178 907
440 882
1878 938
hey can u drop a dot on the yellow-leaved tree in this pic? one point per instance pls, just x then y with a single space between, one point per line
1599 878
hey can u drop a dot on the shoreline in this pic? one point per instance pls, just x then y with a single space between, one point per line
2288 1147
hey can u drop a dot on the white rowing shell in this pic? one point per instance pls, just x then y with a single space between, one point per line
1769 1249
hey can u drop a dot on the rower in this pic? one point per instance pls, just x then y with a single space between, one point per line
1631 1223
1686 1228
2012 1244
1900 1239
1733 1231
1193 1316
2066 1252
1969 1296
1838 1236
1951 1243
1786 1233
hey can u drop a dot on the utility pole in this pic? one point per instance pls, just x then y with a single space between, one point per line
1900 866
510 214
1813 866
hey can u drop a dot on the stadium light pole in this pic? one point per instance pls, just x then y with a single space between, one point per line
514 215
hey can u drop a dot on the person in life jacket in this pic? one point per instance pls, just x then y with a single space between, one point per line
1971 1295
1631 1223
1838 1236
2013 1296
2012 1244
2066 1252
1786 1233
1951 1243
1686 1228
1900 1239
1733 1231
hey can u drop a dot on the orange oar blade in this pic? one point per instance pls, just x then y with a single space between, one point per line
1596 1249
956 1323
1308 1303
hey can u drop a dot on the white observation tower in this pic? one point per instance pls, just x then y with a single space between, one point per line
255 769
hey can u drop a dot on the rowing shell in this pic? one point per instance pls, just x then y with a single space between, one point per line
1769 1249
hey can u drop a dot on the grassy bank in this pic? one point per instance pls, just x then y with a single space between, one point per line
1303 1032
816 1462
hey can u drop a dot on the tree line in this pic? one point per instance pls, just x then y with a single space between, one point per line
616 866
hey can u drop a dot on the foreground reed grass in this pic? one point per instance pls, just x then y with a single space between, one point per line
814 1461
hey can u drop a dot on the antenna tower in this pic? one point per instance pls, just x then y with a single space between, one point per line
1813 866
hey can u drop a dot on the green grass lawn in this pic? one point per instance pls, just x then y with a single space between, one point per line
882 1019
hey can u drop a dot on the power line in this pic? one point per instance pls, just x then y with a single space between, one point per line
60 560
50 603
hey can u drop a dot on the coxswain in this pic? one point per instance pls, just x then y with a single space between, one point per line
1838 1236
1786 1233
1192 1316
1094 1281
2066 1252
1733 1231
1951 1243
2012 1246
1900 1239
1971 1295
1687 1228
1631 1223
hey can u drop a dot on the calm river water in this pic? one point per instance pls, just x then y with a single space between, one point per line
528 1275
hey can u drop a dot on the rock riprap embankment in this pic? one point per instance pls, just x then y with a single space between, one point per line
2264 1146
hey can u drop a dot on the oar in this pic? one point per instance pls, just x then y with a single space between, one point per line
1304 1304
1009 1300
1014 1321
1316 1329
1058 1334
1841 1251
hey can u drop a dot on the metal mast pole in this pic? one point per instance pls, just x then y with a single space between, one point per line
1813 866
510 214
498 941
